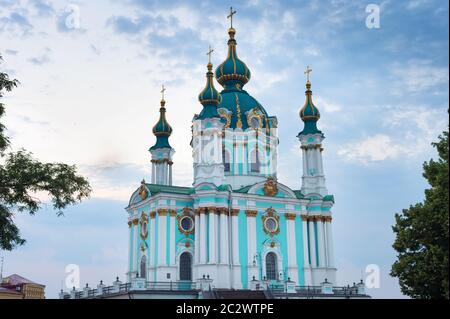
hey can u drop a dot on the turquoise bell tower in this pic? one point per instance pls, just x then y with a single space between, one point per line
162 153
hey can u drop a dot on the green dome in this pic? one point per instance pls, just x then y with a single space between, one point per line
162 130
209 97
232 72
309 113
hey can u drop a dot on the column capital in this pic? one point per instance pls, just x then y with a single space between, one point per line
135 221
152 214
251 213
213 210
172 212
223 211
201 210
235 212
304 218
290 216
162 212
130 223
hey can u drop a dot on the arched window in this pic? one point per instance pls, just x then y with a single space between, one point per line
185 266
271 266
255 161
226 160
143 267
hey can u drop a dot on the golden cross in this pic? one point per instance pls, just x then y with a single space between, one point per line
162 91
307 72
230 16
209 53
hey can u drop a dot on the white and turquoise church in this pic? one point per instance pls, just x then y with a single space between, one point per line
237 222
237 228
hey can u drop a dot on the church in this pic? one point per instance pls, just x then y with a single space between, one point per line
237 221
237 227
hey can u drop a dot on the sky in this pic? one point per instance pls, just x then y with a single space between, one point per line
90 75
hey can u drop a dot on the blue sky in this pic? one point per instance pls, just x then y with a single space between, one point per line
91 73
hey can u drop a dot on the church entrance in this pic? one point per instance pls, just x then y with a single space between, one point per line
186 266
271 266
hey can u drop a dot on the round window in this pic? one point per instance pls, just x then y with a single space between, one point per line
271 224
186 224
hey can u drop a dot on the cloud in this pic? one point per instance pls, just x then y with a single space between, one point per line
122 24
419 75
69 20
42 59
15 23
372 149
43 8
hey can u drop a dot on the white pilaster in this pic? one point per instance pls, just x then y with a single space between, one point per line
172 238
153 248
212 236
291 248
203 236
162 228
135 245
321 243
197 238
224 259
312 244
235 239
330 250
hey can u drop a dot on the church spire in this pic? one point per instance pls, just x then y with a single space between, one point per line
209 97
309 113
162 130
232 73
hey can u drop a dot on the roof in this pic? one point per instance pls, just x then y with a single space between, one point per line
4 290
16 279
155 189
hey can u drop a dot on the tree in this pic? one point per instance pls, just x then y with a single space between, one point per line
22 176
422 234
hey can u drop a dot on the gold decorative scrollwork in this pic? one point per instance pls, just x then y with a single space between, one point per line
270 187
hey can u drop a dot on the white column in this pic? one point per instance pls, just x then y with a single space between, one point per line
152 261
321 243
203 236
235 239
291 243
224 258
170 174
197 237
329 243
162 228
212 236
251 236
135 247
153 173
130 248
304 162
305 242
312 244
172 238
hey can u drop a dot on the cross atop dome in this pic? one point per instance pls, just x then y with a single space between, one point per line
307 73
230 16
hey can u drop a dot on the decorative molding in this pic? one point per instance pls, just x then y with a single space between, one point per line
251 213
172 212
162 212
290 216
235 212
270 187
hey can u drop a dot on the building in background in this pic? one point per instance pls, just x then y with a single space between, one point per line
18 287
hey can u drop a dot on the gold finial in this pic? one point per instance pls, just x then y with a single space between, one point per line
307 72
230 16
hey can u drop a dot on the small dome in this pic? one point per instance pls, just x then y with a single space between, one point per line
162 130
209 97
309 111
309 114
232 72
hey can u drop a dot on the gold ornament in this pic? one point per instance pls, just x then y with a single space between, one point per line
270 187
